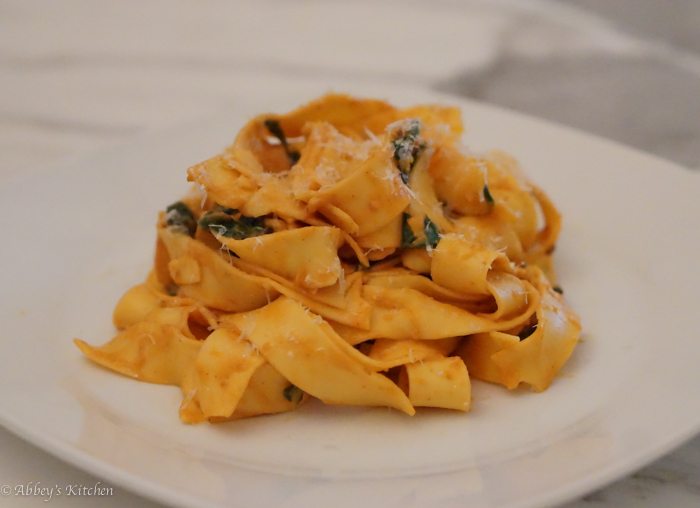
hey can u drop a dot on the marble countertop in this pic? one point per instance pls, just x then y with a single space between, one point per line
80 75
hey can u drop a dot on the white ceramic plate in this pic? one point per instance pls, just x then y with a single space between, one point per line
77 236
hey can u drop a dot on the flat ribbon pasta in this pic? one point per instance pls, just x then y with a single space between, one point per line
314 359
440 382
149 350
220 375
220 285
509 360
307 256
410 314
350 251
370 197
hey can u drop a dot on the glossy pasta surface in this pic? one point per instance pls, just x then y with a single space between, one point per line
353 252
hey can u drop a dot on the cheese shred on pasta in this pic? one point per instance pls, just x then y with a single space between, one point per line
353 252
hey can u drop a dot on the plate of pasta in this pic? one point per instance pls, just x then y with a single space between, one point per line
412 301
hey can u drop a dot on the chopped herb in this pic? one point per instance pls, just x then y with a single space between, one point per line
408 238
292 394
217 213
432 234
171 289
223 224
215 218
558 289
223 209
487 195
274 127
407 148
180 218
527 331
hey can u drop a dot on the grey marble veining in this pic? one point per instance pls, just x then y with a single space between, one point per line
649 98
642 101
672 481
672 21
79 75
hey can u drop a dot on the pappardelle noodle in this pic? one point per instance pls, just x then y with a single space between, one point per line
353 252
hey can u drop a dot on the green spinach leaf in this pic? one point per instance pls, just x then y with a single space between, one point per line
274 128
180 218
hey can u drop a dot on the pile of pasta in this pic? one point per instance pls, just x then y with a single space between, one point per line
353 252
